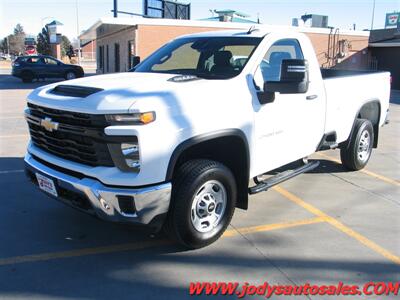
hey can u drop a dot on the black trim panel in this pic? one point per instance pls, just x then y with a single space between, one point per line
74 91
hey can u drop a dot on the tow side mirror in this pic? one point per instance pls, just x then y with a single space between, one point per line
293 79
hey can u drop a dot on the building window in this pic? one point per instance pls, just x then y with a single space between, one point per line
101 57
166 9
116 58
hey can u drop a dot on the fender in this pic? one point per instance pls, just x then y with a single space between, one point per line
203 138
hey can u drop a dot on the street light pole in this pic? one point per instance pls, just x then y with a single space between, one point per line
77 32
373 15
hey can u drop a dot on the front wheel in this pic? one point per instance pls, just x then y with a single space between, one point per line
355 153
203 203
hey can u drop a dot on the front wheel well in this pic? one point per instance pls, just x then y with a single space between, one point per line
230 150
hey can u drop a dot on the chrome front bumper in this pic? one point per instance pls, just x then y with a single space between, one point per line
94 197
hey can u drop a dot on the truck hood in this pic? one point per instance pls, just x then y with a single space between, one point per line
119 92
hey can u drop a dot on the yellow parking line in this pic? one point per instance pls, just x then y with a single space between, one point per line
334 222
83 252
321 217
269 227
143 245
367 172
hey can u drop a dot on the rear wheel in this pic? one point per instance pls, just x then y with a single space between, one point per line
70 75
27 77
355 153
203 203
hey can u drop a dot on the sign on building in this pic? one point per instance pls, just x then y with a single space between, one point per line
53 29
392 20
166 9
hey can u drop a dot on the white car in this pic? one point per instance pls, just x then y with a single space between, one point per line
175 142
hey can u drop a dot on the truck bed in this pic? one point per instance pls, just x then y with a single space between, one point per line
347 91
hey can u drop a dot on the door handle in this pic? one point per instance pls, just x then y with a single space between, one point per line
312 97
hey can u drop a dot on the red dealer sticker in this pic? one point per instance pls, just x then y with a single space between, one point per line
46 184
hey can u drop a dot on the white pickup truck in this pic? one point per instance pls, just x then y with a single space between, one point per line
176 141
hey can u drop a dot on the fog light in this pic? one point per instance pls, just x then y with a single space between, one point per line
126 204
130 151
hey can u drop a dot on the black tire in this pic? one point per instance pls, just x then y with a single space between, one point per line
27 77
350 150
190 177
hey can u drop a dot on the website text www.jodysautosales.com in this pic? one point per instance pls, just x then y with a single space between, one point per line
267 290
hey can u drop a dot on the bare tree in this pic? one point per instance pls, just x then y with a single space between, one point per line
17 40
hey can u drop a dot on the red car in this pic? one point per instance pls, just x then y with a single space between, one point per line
30 50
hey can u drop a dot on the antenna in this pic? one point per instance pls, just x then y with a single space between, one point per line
251 29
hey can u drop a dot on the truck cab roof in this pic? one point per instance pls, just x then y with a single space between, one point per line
254 32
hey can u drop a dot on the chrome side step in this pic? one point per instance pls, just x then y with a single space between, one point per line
281 177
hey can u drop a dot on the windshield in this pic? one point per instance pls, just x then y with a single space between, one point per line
206 57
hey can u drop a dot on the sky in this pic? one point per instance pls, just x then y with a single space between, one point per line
32 15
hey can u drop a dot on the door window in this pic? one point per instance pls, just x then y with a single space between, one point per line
50 61
283 49
34 60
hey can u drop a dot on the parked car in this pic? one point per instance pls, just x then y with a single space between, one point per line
175 142
33 67
5 56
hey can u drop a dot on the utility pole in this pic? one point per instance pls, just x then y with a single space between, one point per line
8 45
77 32
373 15
115 8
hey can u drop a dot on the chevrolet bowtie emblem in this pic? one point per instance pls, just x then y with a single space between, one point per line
48 124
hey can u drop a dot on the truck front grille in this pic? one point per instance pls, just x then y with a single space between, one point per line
68 117
79 137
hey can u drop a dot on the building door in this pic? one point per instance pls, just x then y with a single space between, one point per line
107 59
116 58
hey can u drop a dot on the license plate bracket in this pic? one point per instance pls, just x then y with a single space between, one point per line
46 184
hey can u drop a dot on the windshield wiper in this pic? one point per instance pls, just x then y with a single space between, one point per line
213 76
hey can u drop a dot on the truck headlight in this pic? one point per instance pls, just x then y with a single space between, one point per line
133 118
130 152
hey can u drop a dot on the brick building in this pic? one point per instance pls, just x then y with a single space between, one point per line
88 50
119 39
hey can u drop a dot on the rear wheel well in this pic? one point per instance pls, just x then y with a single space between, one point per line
230 150
371 111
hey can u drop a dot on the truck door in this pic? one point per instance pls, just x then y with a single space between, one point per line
298 119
